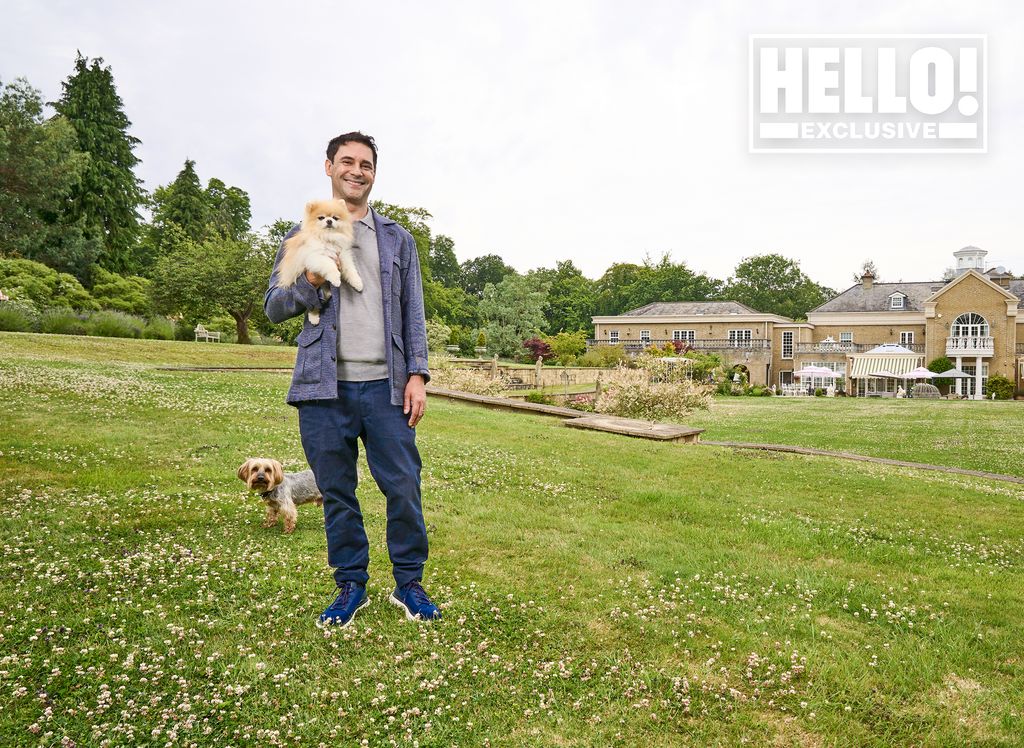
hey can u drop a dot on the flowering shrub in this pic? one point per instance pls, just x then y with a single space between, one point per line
656 390
582 402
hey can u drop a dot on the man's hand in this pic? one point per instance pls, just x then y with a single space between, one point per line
316 280
415 398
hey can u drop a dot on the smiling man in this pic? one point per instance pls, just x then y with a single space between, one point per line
360 375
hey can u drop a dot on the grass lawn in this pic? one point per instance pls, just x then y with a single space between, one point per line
597 590
979 435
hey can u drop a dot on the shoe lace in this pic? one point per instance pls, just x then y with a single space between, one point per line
345 592
418 594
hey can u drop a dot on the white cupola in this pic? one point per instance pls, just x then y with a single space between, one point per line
970 258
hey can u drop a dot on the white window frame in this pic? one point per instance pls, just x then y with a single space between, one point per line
684 336
897 297
906 337
740 338
613 336
791 344
846 337
645 337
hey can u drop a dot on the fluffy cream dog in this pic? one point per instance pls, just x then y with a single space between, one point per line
324 246
281 491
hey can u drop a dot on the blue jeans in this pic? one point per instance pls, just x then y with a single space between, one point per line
330 430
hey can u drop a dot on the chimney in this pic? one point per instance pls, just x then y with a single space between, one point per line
866 281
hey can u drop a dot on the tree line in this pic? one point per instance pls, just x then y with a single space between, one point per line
70 199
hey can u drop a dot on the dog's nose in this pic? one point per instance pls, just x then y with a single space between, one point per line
329 223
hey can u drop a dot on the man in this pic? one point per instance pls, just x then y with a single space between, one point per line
360 374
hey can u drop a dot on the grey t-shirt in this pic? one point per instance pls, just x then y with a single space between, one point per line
361 352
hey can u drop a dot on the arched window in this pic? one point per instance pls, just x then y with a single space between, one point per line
970 325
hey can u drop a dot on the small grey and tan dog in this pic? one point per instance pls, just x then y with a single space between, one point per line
281 491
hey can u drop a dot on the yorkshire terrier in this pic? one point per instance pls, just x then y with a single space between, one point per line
324 246
281 491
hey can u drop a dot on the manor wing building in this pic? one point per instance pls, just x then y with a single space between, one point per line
972 319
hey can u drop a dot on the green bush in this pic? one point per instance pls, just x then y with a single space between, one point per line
109 324
567 347
438 335
119 292
158 328
27 280
536 396
62 322
16 316
605 356
818 392
999 386
938 366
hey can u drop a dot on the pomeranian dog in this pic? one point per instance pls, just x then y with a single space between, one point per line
324 246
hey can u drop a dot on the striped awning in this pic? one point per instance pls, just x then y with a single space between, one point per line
899 365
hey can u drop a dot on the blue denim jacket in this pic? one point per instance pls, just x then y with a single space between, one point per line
316 367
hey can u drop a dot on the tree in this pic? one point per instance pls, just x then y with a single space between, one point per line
413 220
938 366
478 272
183 203
626 286
444 266
229 209
108 194
39 165
570 304
614 291
567 347
775 284
217 275
512 311
867 267
199 214
450 305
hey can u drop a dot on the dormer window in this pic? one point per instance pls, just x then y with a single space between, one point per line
897 301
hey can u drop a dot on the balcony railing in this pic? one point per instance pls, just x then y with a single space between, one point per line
757 344
823 346
982 345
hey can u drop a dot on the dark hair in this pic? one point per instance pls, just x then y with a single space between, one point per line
351 137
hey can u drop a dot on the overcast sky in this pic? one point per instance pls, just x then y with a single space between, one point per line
543 131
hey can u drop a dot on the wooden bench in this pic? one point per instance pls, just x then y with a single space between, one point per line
203 334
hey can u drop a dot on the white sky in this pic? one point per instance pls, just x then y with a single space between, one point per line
543 131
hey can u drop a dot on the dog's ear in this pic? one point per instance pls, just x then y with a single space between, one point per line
278 472
243 471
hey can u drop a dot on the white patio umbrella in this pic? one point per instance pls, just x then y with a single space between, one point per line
954 373
920 373
815 371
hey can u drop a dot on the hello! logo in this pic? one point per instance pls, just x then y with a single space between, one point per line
876 93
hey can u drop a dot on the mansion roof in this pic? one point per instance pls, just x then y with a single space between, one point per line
876 298
679 308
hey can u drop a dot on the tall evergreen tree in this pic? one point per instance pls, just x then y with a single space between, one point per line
108 195
183 202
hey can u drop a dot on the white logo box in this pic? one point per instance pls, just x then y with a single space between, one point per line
868 93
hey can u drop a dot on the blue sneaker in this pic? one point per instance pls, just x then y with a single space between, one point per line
351 597
414 601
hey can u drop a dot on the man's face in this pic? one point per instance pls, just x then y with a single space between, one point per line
351 172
